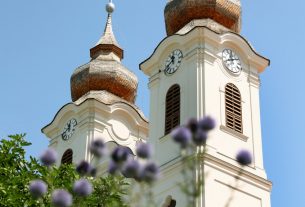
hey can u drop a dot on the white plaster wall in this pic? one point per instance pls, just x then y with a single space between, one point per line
202 78
222 188
118 123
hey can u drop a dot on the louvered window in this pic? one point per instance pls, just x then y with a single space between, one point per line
67 157
172 110
233 108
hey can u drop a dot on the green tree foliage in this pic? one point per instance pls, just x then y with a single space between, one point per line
16 172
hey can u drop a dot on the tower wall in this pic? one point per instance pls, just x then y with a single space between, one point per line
202 77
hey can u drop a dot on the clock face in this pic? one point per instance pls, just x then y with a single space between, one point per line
231 61
173 62
69 129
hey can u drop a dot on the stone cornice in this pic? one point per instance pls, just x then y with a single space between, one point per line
70 107
223 166
197 34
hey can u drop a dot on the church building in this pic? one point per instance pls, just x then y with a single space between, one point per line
202 67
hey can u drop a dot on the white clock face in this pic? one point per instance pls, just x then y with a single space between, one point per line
231 61
69 129
173 62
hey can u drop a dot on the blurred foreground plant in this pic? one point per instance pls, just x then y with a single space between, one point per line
130 178
192 139
26 182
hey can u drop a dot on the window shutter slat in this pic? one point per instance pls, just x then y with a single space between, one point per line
67 157
233 108
172 108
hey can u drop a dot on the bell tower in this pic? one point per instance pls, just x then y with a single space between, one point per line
103 94
205 67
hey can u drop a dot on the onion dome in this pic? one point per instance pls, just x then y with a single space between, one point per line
105 71
178 13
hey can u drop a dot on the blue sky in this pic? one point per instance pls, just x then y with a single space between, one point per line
42 42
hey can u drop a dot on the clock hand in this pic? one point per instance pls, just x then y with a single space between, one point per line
173 59
231 54
231 59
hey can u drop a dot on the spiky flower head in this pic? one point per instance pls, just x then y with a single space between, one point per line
120 154
82 188
150 172
98 148
207 123
200 137
38 188
144 150
182 136
61 198
48 157
83 168
244 157
192 124
131 168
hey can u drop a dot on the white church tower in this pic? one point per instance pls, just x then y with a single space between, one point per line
205 67
103 94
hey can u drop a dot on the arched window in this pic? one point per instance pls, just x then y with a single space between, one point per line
172 108
67 157
233 108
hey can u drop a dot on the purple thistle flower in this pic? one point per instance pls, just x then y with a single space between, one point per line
61 198
200 137
182 136
144 150
207 123
244 157
48 157
192 125
112 168
38 188
83 168
98 148
131 168
149 173
120 154
82 188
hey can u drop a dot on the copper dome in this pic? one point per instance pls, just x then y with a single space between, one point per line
178 13
105 72
107 75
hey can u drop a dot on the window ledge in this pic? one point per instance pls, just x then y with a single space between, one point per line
234 133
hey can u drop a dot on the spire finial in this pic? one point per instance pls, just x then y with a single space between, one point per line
108 37
110 7
108 42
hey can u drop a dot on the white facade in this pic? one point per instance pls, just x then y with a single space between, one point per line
115 121
202 78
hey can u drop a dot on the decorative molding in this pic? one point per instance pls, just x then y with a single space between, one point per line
233 170
153 80
222 166
203 23
234 133
164 138
254 79
208 35
209 57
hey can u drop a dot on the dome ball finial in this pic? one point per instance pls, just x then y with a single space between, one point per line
110 7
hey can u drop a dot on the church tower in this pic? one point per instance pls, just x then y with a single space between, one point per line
103 95
205 67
